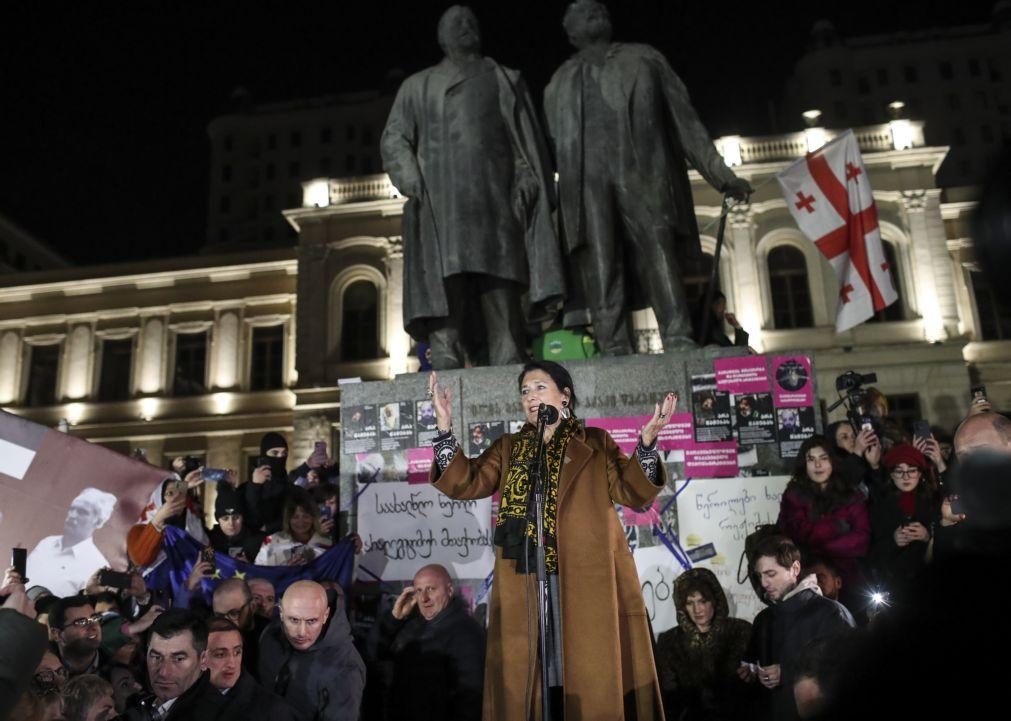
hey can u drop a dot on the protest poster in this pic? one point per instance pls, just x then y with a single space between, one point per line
361 429
756 419
793 386
742 374
396 426
794 426
481 435
711 410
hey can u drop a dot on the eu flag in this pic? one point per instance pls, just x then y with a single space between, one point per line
182 551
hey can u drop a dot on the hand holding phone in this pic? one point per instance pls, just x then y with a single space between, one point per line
214 474
114 579
19 562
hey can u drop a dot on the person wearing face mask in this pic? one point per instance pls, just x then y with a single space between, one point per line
599 646
301 540
269 482
902 515
697 660
822 514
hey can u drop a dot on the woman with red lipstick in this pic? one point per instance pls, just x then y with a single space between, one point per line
600 657
822 514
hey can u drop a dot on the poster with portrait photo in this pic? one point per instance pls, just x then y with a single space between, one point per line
424 422
396 426
361 429
481 435
793 426
756 419
711 410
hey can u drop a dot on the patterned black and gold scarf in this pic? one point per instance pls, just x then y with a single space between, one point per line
515 518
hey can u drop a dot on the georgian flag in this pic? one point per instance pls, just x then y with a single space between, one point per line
830 197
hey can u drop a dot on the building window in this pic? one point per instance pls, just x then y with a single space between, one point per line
296 139
324 165
834 77
897 310
910 73
882 75
791 296
191 364
325 135
114 377
266 366
863 86
944 69
904 408
360 321
695 276
293 169
994 314
42 374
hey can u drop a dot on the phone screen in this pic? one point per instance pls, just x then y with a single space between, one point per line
19 561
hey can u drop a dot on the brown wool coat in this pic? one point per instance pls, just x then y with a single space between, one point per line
607 652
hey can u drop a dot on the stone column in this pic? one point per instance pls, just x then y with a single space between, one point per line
397 342
226 351
740 238
150 370
932 265
10 363
78 357
310 329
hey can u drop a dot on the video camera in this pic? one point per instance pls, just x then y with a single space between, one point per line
850 386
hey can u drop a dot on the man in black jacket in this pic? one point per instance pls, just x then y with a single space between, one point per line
270 481
432 652
797 616
307 657
238 697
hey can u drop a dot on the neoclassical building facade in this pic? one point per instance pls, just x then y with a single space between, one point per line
201 355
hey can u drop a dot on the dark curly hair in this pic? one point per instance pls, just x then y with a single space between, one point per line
836 492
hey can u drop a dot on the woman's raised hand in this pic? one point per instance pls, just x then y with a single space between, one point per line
442 400
661 417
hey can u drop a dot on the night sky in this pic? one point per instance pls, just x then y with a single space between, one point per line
104 106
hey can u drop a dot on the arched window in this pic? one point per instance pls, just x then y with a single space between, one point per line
897 310
360 321
791 295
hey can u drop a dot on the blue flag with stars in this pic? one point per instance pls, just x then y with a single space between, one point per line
182 551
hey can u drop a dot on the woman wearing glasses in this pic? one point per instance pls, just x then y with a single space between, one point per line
901 516
822 513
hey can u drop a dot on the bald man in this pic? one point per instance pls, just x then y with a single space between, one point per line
432 652
307 657
983 431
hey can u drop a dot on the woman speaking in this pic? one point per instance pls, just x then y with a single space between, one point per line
600 660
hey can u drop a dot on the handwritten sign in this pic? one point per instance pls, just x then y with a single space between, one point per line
723 512
405 526
657 571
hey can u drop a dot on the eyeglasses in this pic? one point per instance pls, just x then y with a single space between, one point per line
84 622
905 473
234 614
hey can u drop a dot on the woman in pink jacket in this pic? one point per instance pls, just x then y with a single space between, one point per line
824 516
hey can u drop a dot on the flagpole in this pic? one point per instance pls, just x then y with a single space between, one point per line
711 288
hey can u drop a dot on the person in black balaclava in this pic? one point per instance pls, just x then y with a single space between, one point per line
264 494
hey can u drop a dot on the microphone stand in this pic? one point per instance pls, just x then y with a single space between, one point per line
537 476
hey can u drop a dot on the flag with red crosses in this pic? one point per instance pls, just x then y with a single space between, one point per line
830 198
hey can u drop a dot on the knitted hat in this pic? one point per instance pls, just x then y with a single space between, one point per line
272 440
228 501
904 453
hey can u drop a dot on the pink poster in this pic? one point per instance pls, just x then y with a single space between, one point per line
419 462
747 374
624 430
678 435
792 386
712 460
648 517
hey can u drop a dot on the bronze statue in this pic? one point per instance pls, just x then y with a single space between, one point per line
463 144
622 126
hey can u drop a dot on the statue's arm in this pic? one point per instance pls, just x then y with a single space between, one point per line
399 144
695 138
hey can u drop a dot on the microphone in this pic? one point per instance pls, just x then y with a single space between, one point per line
547 414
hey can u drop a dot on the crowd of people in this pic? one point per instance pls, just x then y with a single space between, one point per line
867 516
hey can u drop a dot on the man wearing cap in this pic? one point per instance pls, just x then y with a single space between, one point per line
264 494
64 563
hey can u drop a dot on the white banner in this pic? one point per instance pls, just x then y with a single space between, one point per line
723 512
657 570
405 526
